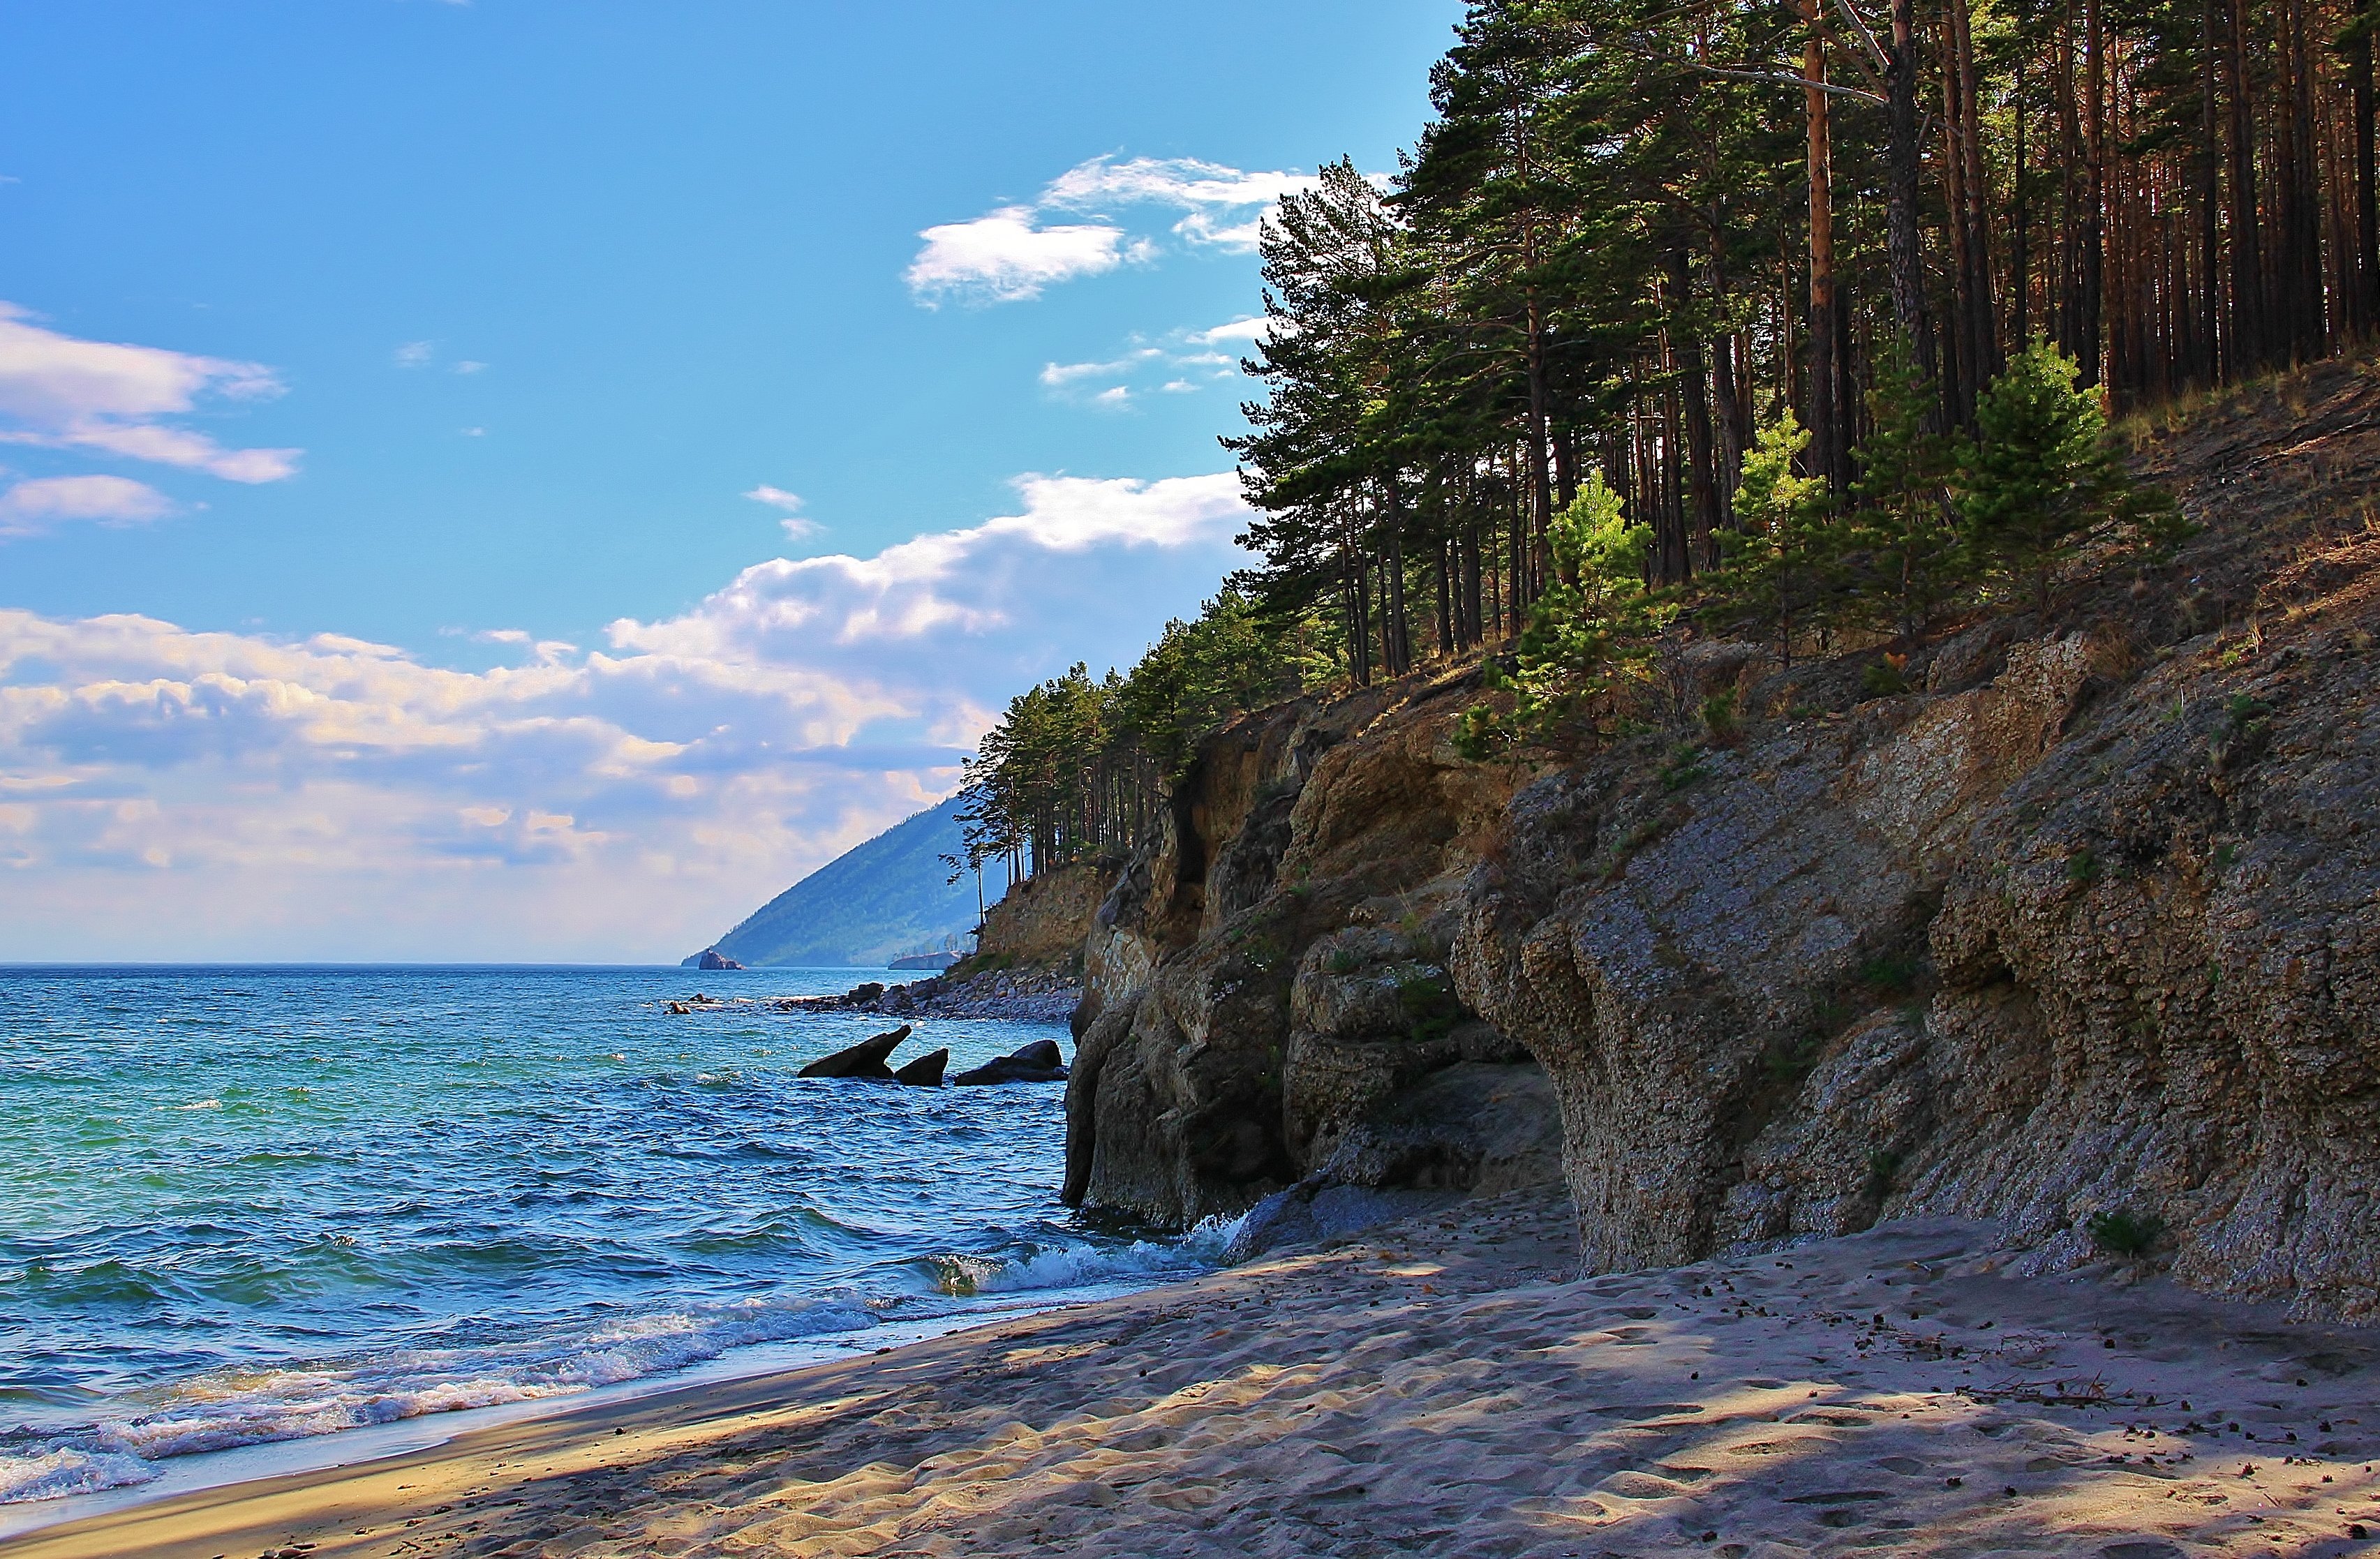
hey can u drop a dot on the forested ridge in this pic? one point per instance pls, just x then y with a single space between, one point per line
1801 322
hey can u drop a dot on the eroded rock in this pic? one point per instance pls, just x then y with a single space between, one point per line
926 1071
1041 1061
864 1060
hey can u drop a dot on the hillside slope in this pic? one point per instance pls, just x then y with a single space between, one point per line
2084 925
874 902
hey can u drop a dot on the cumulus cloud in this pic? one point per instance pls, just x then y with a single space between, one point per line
1007 257
31 507
171 793
1251 329
61 391
1012 252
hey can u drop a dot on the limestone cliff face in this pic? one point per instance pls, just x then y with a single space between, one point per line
2090 924
1044 919
2086 920
1267 985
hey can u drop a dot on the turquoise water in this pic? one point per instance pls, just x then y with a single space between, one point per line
242 1205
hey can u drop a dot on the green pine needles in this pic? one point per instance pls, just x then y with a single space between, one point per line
2040 474
1935 521
1780 569
1589 635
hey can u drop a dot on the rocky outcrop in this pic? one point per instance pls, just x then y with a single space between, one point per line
2083 921
1041 1061
2088 923
864 1060
1018 996
926 1071
1266 989
1044 919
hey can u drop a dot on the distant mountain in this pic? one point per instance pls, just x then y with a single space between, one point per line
872 903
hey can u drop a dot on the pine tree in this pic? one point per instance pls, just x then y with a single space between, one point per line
1904 522
2039 472
1589 635
1779 567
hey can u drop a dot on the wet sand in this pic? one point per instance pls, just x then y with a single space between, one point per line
1444 1386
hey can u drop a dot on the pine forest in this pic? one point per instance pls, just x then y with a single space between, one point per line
1805 322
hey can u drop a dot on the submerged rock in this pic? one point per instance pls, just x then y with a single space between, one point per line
864 1060
926 1071
1040 1061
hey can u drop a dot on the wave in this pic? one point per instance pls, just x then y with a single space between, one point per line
1069 1265
52 1474
228 1409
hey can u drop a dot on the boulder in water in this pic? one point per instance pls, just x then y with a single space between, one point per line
865 1059
926 1071
1040 1061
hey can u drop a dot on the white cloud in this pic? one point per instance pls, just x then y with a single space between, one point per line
1222 205
795 526
1256 327
945 584
1009 255
63 393
413 355
28 508
1181 364
169 793
1005 258
1058 375
468 367
776 498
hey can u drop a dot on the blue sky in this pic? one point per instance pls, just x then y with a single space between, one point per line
530 479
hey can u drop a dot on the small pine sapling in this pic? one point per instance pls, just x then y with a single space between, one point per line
2042 472
1905 522
1588 636
1778 567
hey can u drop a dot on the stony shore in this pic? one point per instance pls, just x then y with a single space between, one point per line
1018 996
1448 1386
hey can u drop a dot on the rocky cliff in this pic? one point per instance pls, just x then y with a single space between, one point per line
1267 998
1043 919
2084 922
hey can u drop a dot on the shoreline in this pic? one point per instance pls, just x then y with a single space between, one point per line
1446 1384
1018 996
362 1446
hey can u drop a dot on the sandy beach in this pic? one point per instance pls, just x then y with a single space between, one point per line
1446 1386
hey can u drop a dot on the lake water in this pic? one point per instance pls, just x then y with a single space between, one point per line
246 1205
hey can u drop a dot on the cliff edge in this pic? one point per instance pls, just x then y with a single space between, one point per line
2080 931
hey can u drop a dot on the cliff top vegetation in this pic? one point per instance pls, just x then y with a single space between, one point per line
1783 322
